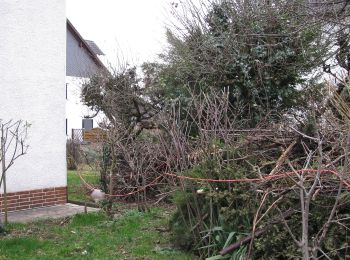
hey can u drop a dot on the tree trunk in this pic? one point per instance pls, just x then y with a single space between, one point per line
3 174
305 225
2 228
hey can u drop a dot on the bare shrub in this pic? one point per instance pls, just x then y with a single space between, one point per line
285 182
73 154
13 145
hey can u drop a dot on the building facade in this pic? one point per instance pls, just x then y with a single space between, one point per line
32 80
82 62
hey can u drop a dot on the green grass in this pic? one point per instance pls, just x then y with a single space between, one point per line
76 190
132 235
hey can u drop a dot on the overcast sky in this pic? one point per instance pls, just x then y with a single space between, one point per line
131 29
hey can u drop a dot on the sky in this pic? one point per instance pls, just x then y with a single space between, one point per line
127 31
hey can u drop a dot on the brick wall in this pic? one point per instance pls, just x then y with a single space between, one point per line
34 198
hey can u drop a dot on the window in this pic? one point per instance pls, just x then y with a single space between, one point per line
87 123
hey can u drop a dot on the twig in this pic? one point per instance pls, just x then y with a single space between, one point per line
283 157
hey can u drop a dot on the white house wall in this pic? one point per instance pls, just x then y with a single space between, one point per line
32 80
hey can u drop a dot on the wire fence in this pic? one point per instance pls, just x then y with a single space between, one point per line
78 136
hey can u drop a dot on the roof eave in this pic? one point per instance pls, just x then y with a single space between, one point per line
76 34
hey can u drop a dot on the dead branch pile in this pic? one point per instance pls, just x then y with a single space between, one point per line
304 163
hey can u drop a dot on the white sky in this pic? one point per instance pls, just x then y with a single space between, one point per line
133 30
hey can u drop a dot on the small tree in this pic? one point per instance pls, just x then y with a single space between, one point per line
13 144
126 100
130 104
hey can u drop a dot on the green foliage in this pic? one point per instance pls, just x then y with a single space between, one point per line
251 50
124 97
208 214
239 254
112 94
206 222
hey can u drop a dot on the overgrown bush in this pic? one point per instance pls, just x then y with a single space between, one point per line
257 50
233 101
273 208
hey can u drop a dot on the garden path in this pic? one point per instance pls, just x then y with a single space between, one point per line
52 212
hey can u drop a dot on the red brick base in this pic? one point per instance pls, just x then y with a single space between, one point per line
34 198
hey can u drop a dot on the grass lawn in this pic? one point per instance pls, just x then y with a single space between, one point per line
132 235
76 190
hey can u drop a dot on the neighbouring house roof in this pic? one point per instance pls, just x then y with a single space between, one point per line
81 55
94 47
